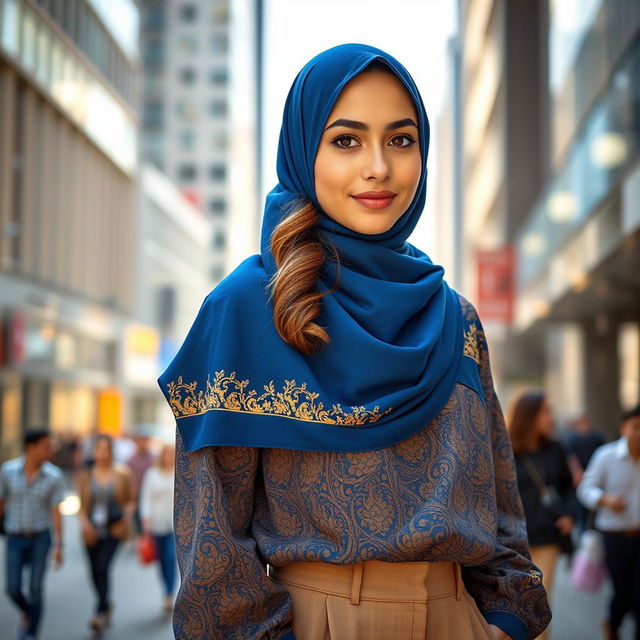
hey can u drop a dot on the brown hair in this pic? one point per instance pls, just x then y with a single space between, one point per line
521 421
299 252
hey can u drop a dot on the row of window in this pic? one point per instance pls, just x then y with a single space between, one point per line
188 140
87 32
188 172
155 47
218 12
217 76
186 110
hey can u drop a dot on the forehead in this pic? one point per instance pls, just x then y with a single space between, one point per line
374 94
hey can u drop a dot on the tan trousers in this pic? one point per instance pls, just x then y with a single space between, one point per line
545 557
381 601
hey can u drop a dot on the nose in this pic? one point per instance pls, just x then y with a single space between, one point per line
376 165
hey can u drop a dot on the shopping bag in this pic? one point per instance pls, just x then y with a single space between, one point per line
147 552
588 568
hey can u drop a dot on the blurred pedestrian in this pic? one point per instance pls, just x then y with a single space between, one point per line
139 462
156 509
544 481
31 489
392 520
611 485
580 443
107 503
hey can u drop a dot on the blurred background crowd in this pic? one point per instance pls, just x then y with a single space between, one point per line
137 143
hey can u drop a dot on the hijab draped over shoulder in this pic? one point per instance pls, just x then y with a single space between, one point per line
395 325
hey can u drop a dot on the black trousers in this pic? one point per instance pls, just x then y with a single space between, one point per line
100 557
623 562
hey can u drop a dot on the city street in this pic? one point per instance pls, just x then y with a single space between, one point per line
138 615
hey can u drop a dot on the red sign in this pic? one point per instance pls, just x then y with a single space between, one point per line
17 337
496 285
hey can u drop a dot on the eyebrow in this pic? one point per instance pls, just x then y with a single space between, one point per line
355 124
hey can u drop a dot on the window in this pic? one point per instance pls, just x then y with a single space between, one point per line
218 76
153 18
187 140
218 107
154 52
217 206
186 171
219 239
220 12
153 114
218 172
187 75
219 140
188 13
219 42
188 43
187 110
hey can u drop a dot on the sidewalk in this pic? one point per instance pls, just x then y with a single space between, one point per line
578 615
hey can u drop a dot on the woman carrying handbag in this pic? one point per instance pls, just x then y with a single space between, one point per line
107 503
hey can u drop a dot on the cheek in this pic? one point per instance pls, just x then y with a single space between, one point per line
411 173
332 177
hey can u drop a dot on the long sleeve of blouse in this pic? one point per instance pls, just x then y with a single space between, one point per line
447 493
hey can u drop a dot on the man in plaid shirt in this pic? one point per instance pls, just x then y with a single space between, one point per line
31 488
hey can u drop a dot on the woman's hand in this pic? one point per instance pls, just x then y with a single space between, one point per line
89 533
498 633
564 524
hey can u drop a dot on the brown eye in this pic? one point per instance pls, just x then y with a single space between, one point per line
344 142
403 140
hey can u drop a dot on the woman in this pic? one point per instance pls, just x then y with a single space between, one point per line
107 502
335 410
544 481
156 509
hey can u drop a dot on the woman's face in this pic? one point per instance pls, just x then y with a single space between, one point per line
368 163
544 420
102 451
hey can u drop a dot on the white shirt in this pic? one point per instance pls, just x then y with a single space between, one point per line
612 470
156 500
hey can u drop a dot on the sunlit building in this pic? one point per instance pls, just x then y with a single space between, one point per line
171 281
503 84
68 85
186 105
578 250
551 178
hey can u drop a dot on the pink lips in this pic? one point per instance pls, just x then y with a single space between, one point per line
375 199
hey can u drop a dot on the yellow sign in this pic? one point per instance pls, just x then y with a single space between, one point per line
110 412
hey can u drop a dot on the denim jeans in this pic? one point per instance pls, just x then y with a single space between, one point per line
21 551
100 558
166 548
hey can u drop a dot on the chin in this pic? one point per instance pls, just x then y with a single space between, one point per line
372 229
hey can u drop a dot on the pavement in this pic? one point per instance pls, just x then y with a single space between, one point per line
137 598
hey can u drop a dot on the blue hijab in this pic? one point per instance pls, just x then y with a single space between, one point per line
395 326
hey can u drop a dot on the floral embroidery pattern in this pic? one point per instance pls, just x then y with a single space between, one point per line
229 393
471 343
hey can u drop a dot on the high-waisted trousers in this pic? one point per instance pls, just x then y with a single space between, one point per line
381 601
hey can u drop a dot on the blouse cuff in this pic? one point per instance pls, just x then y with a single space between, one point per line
510 624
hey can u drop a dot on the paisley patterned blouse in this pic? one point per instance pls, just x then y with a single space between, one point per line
447 493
